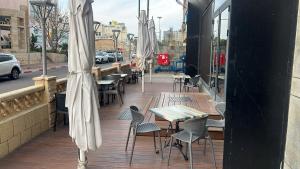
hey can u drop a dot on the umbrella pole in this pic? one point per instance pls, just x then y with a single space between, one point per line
151 71
143 81
82 162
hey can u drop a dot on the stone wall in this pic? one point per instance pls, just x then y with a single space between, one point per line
28 112
292 150
36 58
23 116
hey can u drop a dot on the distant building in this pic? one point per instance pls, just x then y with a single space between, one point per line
14 25
104 32
171 36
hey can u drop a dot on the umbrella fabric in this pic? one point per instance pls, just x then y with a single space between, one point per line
152 36
81 95
143 44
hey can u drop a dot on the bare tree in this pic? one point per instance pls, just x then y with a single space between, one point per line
57 28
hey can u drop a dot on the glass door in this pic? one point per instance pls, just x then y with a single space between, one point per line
219 55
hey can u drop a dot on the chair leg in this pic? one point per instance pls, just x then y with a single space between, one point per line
128 138
212 151
160 145
191 155
204 146
154 141
170 150
186 149
168 129
55 121
133 144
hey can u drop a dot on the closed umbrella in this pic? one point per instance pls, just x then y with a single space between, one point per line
153 44
81 95
143 44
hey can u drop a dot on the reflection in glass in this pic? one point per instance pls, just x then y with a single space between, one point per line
219 53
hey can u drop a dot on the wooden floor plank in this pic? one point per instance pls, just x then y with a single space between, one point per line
56 150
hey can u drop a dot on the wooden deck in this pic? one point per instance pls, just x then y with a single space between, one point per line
56 150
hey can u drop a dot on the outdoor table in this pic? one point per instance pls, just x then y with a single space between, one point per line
104 83
180 77
176 114
123 75
122 79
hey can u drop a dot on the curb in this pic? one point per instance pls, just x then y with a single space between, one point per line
40 69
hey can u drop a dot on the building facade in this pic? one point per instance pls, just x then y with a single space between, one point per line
14 29
104 33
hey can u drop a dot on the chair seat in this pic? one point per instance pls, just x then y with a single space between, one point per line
185 136
215 123
147 127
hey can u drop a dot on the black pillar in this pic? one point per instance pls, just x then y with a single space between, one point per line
262 39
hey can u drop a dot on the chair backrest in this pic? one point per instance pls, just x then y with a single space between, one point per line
195 80
137 118
196 126
60 102
220 108
110 77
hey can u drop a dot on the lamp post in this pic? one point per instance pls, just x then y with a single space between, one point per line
130 37
42 9
116 34
159 18
96 26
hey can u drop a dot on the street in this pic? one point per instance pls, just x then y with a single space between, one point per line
25 80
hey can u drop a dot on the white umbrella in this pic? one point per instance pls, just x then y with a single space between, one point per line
81 95
143 44
153 43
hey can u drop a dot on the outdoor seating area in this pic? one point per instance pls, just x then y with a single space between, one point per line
129 126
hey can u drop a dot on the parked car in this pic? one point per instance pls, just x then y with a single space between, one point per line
111 57
9 66
101 57
120 57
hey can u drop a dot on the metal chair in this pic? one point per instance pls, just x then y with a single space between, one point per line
220 107
60 108
113 90
193 83
193 130
138 126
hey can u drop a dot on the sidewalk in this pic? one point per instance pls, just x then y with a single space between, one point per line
39 67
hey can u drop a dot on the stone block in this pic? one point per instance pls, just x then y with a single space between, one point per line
3 149
36 130
14 143
25 136
19 125
29 120
45 125
44 113
6 131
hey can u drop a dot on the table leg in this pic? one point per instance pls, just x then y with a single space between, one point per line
177 144
180 85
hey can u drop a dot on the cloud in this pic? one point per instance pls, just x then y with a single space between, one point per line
127 10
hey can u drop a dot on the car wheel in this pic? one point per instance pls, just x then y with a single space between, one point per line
102 61
15 74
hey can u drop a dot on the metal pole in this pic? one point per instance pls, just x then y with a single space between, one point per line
159 18
129 49
148 9
44 59
116 55
139 8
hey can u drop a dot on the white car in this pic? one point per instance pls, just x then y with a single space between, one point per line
9 66
101 57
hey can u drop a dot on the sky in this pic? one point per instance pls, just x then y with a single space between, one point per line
126 11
